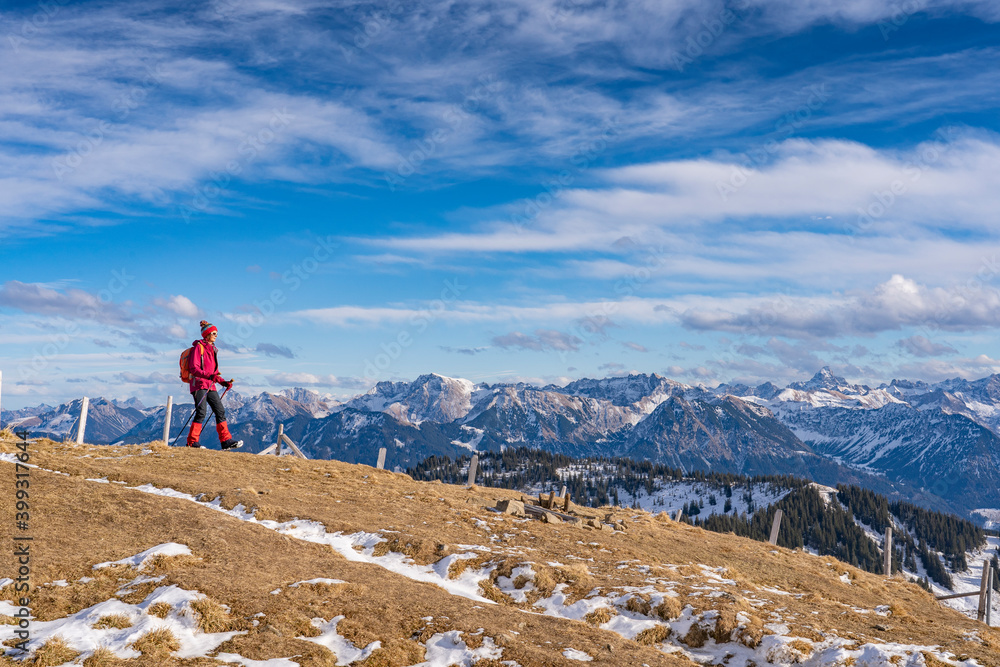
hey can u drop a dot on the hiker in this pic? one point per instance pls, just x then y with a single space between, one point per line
203 366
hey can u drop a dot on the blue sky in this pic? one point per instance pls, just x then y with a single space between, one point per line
537 191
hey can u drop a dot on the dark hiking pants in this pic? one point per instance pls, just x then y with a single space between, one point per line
211 397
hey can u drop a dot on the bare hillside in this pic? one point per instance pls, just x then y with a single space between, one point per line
149 555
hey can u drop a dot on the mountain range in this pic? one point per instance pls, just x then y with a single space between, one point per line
933 444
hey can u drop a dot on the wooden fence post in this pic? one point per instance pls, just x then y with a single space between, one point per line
166 419
989 595
281 434
775 527
295 449
1 396
381 458
83 420
983 590
472 469
679 514
887 555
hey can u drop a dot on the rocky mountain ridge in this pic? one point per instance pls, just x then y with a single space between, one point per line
932 443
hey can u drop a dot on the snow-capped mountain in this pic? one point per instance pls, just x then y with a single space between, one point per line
933 443
644 392
725 435
253 419
320 405
937 438
14 418
106 420
430 397
948 455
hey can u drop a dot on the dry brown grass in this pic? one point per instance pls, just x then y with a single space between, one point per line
242 563
696 636
654 635
456 569
211 616
638 605
669 609
422 551
400 653
53 652
600 616
161 564
159 643
806 649
160 609
491 592
931 661
103 657
120 621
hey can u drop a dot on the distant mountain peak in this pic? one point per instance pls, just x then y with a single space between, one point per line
824 379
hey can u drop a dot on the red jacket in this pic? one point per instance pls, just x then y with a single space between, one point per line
204 366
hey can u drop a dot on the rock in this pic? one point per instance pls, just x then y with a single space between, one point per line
548 517
515 507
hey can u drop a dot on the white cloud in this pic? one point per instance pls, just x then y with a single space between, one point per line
933 370
865 191
151 120
892 305
287 380
180 305
897 303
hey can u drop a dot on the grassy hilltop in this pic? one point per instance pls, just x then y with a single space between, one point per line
323 563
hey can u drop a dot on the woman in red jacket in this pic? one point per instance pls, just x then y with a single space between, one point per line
203 364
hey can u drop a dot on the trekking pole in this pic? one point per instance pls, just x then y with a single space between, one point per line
203 399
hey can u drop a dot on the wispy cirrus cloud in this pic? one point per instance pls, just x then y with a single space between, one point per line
540 341
921 346
313 380
272 350
155 103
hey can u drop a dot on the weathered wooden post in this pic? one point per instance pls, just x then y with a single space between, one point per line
472 469
562 493
83 420
887 552
775 527
1 402
166 419
983 592
381 458
679 514
565 502
295 449
281 434
989 595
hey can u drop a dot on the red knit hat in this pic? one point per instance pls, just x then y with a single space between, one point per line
207 328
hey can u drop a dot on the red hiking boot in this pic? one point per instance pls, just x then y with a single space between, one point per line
226 439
